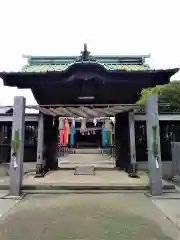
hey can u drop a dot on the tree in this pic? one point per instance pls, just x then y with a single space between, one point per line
168 93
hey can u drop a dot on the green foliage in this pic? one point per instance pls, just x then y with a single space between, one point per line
171 94
148 91
16 141
168 93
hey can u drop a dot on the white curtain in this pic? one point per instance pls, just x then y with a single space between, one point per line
83 126
61 123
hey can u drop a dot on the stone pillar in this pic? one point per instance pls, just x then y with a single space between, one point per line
17 147
175 149
40 148
153 144
132 170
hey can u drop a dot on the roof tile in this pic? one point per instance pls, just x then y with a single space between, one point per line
58 67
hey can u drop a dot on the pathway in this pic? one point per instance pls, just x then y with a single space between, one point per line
87 216
6 205
86 159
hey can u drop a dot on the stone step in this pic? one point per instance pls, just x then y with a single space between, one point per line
86 158
86 162
94 160
96 166
88 151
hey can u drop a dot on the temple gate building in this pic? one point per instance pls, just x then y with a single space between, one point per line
88 87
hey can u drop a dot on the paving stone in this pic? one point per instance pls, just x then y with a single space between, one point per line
84 170
87 216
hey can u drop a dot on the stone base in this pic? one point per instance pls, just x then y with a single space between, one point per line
162 196
133 175
166 195
176 178
12 197
39 175
84 170
132 168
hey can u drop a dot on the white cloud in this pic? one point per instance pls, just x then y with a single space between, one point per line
60 27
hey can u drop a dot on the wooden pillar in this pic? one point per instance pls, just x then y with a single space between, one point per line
122 147
132 169
40 148
50 140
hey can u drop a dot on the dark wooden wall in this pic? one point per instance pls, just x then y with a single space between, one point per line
30 145
169 131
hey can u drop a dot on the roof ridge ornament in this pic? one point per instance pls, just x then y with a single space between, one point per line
85 54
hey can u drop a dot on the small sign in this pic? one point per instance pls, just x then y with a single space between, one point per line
15 163
157 164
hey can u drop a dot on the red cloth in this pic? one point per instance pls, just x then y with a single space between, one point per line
61 137
66 132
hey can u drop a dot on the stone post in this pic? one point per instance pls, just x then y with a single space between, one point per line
175 149
17 147
40 165
153 144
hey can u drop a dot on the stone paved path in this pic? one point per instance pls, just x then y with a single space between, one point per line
6 204
96 160
170 205
64 177
130 216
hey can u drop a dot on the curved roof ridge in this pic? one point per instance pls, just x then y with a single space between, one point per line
107 59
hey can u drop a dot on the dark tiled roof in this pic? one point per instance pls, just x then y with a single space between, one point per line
4 110
62 67
61 63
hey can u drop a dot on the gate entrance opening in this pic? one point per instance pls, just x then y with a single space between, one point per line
89 139
112 120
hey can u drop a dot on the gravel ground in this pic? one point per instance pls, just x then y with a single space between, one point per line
127 216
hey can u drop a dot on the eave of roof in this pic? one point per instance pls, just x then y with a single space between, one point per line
41 73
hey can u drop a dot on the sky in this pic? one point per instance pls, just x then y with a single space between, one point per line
61 27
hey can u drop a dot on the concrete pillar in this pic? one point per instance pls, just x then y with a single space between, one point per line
175 149
40 147
17 149
153 144
132 144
